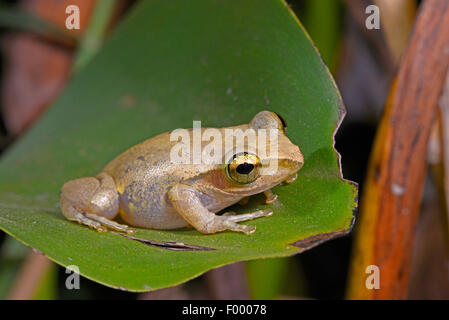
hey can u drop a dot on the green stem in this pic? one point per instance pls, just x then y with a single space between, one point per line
94 35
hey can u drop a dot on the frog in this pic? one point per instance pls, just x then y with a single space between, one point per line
144 188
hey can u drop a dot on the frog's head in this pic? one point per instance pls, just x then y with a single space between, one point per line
266 165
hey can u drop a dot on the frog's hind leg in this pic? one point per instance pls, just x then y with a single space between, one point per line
109 223
92 202
74 215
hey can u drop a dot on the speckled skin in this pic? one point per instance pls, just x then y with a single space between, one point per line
150 191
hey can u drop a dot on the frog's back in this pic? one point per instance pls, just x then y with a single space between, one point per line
143 174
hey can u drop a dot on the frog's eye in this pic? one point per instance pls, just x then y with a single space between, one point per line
243 168
268 120
282 122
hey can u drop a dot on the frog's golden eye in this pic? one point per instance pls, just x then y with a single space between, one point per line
243 168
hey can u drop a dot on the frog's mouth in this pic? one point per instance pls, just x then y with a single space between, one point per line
216 182
284 167
285 173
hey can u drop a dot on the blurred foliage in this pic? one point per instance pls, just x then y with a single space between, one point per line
321 272
71 142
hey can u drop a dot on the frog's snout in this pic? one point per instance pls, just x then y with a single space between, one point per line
294 158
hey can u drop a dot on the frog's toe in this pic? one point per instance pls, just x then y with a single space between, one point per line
110 224
267 213
248 229
270 197
232 219
101 229
82 219
131 231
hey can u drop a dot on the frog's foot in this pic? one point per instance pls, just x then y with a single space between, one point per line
270 197
238 227
229 223
109 223
74 215
93 221
222 223
230 219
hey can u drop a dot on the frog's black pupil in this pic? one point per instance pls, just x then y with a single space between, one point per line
245 168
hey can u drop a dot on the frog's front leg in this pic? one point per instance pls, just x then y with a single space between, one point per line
186 201
270 197
92 202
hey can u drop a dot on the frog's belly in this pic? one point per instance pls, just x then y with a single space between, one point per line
147 206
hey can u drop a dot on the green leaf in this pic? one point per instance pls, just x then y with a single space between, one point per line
168 63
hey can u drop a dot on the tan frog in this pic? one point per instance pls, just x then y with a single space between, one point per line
148 190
